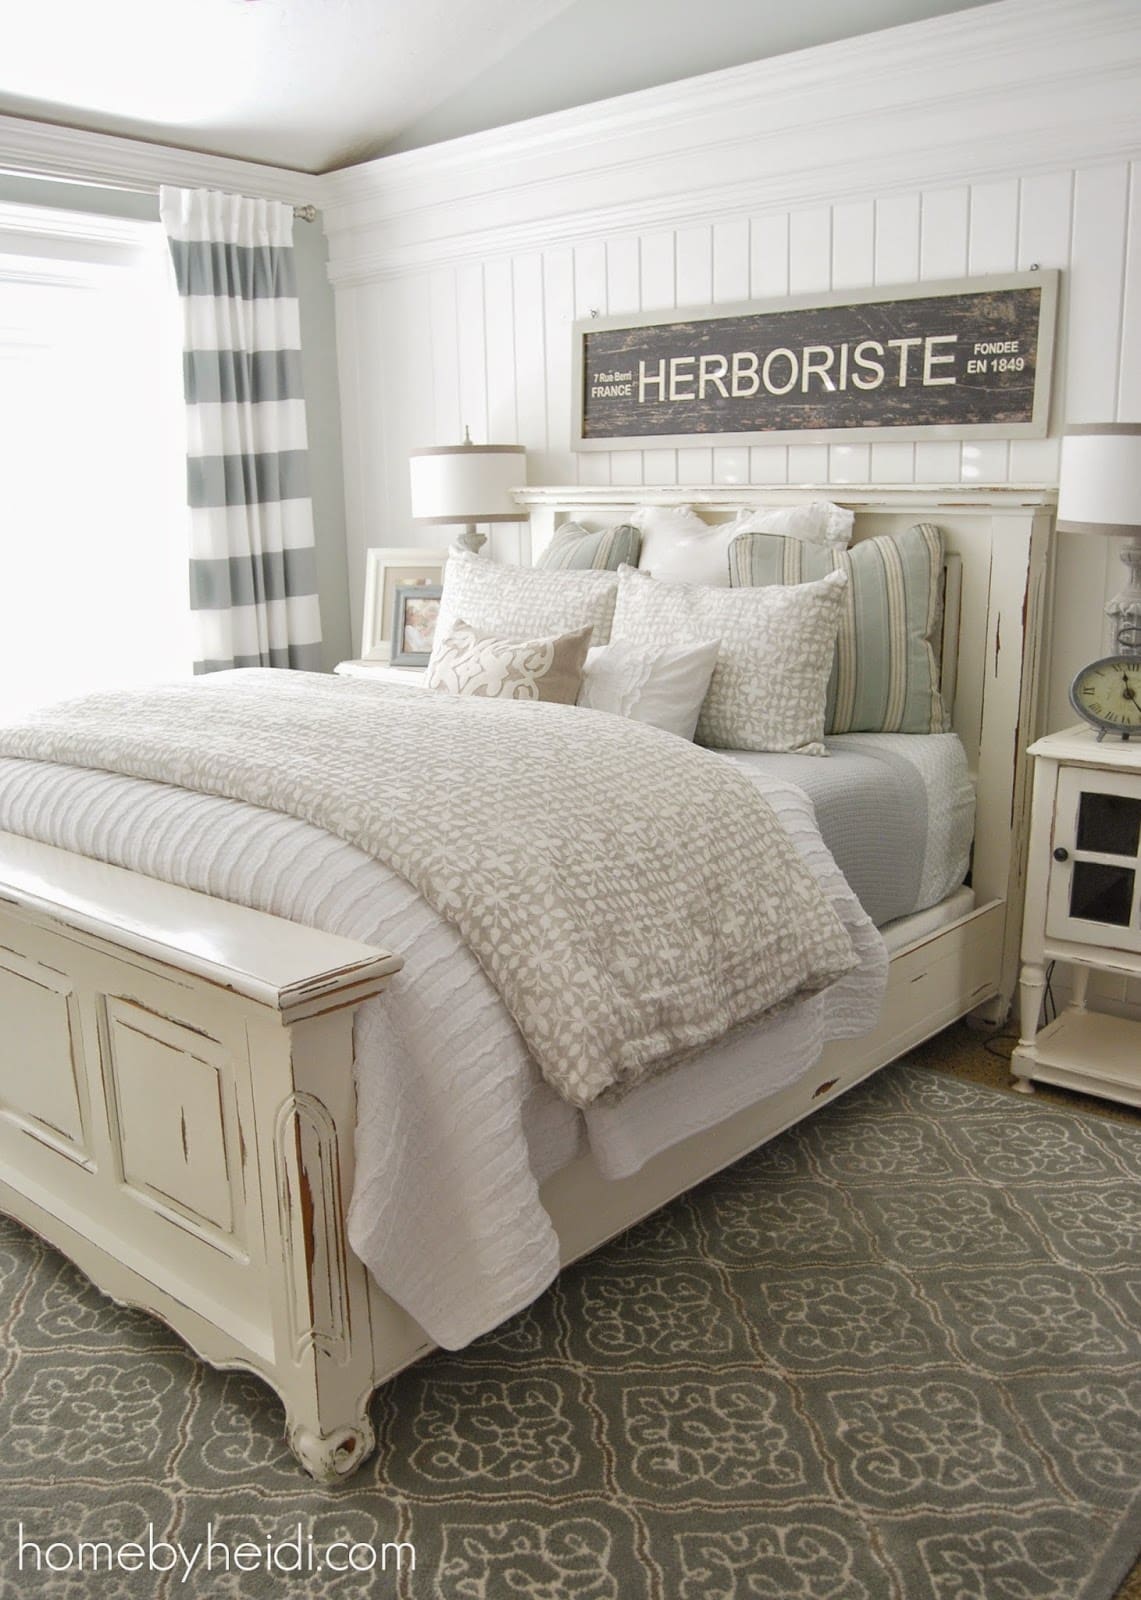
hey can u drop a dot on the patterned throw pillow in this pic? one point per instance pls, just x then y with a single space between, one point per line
769 685
605 549
470 662
886 677
522 602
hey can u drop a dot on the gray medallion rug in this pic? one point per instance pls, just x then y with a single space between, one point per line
892 1356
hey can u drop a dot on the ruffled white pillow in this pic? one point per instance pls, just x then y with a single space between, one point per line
664 687
678 546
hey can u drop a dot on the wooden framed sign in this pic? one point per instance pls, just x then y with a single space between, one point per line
954 360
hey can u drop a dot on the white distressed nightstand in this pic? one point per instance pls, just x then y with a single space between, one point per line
383 672
1083 906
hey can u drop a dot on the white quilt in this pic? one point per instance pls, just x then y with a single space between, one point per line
456 1129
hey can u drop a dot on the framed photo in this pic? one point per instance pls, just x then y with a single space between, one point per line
388 569
415 611
964 359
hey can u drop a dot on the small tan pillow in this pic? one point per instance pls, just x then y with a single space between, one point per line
471 662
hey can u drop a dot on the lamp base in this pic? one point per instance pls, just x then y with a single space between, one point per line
1124 610
471 539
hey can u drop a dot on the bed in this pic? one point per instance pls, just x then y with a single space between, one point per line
178 1110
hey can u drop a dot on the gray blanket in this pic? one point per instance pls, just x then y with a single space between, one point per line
631 896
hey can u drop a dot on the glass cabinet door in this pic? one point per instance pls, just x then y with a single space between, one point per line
1095 875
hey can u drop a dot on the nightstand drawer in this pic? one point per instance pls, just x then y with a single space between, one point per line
1094 891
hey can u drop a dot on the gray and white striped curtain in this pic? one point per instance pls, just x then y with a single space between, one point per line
253 570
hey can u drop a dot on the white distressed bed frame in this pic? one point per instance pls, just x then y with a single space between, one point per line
176 1089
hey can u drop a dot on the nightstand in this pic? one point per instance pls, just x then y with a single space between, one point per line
1083 906
383 672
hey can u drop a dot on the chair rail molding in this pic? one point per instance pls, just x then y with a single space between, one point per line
1014 87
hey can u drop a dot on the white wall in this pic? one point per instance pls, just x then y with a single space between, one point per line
459 270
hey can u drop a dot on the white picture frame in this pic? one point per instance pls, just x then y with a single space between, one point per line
388 568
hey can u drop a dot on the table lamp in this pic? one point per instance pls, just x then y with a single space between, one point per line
1099 491
467 483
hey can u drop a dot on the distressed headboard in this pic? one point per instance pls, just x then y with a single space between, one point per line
995 615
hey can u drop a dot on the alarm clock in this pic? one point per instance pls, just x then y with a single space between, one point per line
1107 693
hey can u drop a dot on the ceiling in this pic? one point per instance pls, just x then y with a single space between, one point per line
318 84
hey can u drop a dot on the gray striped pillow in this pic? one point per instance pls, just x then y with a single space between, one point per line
885 678
604 549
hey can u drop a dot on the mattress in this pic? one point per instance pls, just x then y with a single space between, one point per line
896 810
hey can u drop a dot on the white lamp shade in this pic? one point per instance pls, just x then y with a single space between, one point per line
1099 486
467 483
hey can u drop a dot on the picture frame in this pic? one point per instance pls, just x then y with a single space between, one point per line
388 568
964 358
415 611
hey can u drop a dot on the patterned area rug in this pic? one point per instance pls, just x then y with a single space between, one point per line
893 1356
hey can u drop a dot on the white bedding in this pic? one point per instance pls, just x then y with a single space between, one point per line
455 1128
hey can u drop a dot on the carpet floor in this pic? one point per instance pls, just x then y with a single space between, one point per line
895 1355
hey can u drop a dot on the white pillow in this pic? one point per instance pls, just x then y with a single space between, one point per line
817 522
681 547
662 687
678 546
770 684
522 602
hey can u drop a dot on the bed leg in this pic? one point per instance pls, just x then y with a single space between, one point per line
323 1366
329 1457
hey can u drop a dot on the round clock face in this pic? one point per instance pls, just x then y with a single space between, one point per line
1107 694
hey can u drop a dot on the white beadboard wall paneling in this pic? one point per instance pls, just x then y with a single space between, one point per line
499 330
658 261
624 294
472 351
557 463
1020 86
768 280
1129 361
530 346
593 466
448 413
853 234
1085 568
731 277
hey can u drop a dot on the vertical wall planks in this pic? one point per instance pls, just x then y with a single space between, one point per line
590 296
530 345
1129 359
1095 302
896 248
557 464
658 275
768 280
810 251
694 280
943 233
1086 569
448 428
472 350
499 324
897 239
623 294
853 267
1044 220
992 247
730 285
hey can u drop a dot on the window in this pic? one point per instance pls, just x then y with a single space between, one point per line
93 546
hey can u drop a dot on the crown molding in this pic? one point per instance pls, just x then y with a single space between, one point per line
1014 87
46 150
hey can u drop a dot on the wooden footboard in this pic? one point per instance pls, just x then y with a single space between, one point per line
176 1115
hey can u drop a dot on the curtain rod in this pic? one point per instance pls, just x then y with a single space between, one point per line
303 213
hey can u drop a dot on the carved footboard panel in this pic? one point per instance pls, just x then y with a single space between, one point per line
176 1115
